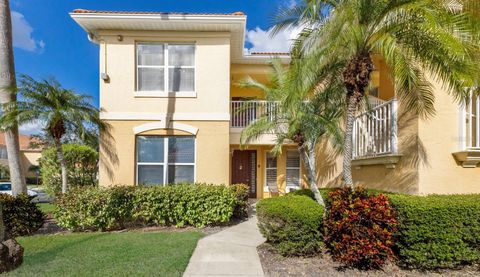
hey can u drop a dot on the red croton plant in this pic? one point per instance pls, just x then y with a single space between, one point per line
360 228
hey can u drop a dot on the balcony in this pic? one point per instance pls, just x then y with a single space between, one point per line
375 136
242 113
374 130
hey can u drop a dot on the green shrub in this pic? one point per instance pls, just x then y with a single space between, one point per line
302 192
21 216
185 204
95 209
359 228
82 166
241 191
113 208
437 231
293 224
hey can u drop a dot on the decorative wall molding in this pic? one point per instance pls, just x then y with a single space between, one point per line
162 116
162 125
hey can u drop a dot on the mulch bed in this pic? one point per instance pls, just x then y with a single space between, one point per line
322 265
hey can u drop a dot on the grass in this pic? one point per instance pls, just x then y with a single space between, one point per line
107 254
46 208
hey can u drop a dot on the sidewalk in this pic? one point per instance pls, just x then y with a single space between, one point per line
231 252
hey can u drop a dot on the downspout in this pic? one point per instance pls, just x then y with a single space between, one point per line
94 39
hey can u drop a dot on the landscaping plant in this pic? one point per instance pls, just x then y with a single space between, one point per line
241 191
303 113
436 232
292 224
60 110
21 216
360 228
82 167
179 205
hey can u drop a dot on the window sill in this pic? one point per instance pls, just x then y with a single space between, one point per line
469 158
161 94
388 160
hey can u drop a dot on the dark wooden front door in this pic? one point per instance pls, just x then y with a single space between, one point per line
244 169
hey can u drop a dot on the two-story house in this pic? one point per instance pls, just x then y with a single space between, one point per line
168 89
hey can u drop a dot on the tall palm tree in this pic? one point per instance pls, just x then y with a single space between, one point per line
419 40
59 109
301 116
7 87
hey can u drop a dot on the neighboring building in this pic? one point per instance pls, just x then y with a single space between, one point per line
168 89
28 156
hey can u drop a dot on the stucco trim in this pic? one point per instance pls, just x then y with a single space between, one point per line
162 116
162 125
388 160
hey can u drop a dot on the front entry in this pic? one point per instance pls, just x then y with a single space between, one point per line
244 169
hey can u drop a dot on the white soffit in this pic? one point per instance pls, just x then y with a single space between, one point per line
93 22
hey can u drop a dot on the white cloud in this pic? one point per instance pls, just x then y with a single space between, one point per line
22 34
31 128
262 41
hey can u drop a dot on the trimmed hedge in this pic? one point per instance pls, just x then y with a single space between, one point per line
115 208
95 209
437 231
21 216
293 224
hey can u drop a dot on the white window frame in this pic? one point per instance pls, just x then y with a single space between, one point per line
265 186
166 92
299 168
165 162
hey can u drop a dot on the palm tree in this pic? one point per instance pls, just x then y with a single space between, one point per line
59 109
418 39
295 119
7 86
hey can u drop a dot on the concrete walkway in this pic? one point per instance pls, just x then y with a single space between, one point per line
231 252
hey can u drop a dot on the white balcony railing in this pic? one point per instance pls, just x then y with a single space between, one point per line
243 113
374 101
375 131
470 125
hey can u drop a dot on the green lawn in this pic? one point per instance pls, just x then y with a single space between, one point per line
107 254
46 208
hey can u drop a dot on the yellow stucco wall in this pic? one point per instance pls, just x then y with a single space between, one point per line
212 152
212 73
441 137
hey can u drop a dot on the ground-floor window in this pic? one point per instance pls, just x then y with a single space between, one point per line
165 160
293 168
270 171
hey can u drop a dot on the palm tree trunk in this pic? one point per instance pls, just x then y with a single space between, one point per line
63 165
356 78
348 141
308 158
7 87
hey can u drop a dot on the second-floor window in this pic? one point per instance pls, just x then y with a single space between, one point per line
165 67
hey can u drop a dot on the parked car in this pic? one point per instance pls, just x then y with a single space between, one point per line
7 189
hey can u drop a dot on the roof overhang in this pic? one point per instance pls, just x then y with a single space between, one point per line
93 22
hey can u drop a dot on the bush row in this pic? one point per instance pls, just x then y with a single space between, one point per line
362 229
119 207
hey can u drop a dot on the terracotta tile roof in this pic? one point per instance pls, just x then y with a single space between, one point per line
157 13
271 53
23 139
